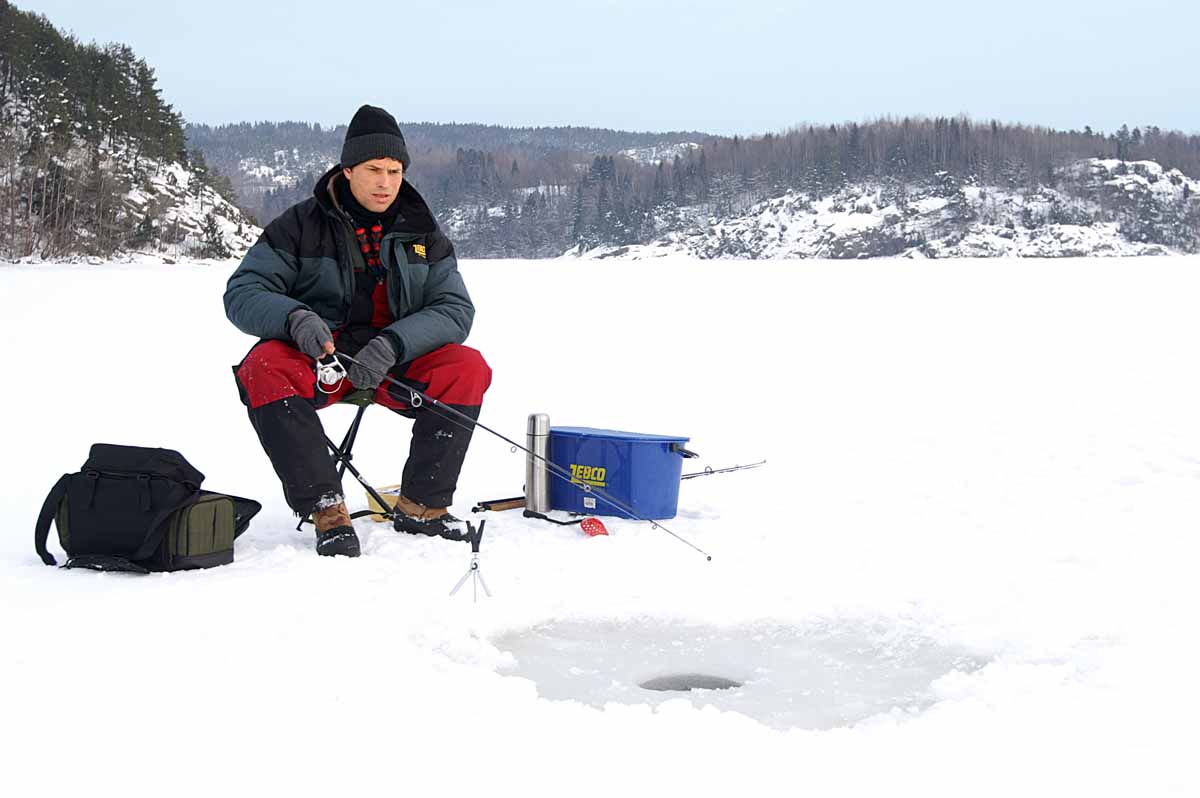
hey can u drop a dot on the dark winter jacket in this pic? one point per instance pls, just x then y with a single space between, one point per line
307 258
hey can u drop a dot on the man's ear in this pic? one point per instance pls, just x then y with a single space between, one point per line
345 173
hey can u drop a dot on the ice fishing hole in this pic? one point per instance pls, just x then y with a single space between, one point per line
817 676
685 682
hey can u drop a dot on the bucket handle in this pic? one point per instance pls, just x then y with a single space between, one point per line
686 453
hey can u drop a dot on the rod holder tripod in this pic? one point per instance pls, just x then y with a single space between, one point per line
473 572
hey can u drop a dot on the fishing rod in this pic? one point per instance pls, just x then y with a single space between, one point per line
418 398
520 501
709 470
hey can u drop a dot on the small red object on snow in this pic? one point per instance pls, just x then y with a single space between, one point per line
593 527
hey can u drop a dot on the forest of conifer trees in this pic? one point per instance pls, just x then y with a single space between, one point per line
520 196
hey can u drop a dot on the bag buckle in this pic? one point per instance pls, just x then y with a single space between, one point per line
93 477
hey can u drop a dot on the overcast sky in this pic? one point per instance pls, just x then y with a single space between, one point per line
740 66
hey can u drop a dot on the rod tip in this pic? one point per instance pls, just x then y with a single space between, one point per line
710 558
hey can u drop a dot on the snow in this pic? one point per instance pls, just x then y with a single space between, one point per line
977 521
172 182
980 221
822 677
661 152
1166 186
541 188
283 169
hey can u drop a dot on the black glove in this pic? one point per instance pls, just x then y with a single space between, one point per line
309 332
372 363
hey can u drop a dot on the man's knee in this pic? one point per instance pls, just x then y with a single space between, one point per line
275 370
472 376
454 374
471 364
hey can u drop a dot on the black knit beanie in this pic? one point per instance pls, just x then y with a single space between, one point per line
373 133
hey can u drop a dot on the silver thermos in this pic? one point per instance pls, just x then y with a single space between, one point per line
537 476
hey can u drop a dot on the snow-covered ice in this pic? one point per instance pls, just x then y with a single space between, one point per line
980 502
823 677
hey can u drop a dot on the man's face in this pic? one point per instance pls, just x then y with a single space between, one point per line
375 183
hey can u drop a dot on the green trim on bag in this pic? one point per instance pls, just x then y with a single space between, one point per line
204 528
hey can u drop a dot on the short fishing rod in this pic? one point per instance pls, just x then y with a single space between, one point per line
418 398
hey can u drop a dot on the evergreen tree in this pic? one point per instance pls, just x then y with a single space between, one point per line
212 240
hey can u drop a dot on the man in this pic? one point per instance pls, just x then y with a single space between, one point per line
360 268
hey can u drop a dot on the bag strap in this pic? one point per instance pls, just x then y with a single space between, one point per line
42 531
153 535
107 563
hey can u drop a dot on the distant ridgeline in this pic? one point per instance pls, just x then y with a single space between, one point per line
483 171
932 187
93 161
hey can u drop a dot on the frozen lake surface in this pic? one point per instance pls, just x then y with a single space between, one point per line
790 678
967 568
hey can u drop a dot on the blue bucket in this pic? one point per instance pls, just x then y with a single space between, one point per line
642 471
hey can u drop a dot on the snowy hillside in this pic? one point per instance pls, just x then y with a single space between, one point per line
157 206
967 567
283 169
94 160
664 152
953 220
807 193
178 206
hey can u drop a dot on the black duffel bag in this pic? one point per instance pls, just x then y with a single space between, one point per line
137 509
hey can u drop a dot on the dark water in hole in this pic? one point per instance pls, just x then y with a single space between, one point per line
816 677
686 682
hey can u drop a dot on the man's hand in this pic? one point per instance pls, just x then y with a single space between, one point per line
373 362
310 333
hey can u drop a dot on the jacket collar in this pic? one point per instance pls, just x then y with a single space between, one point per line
414 217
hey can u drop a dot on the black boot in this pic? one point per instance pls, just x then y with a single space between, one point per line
339 540
335 534
416 519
